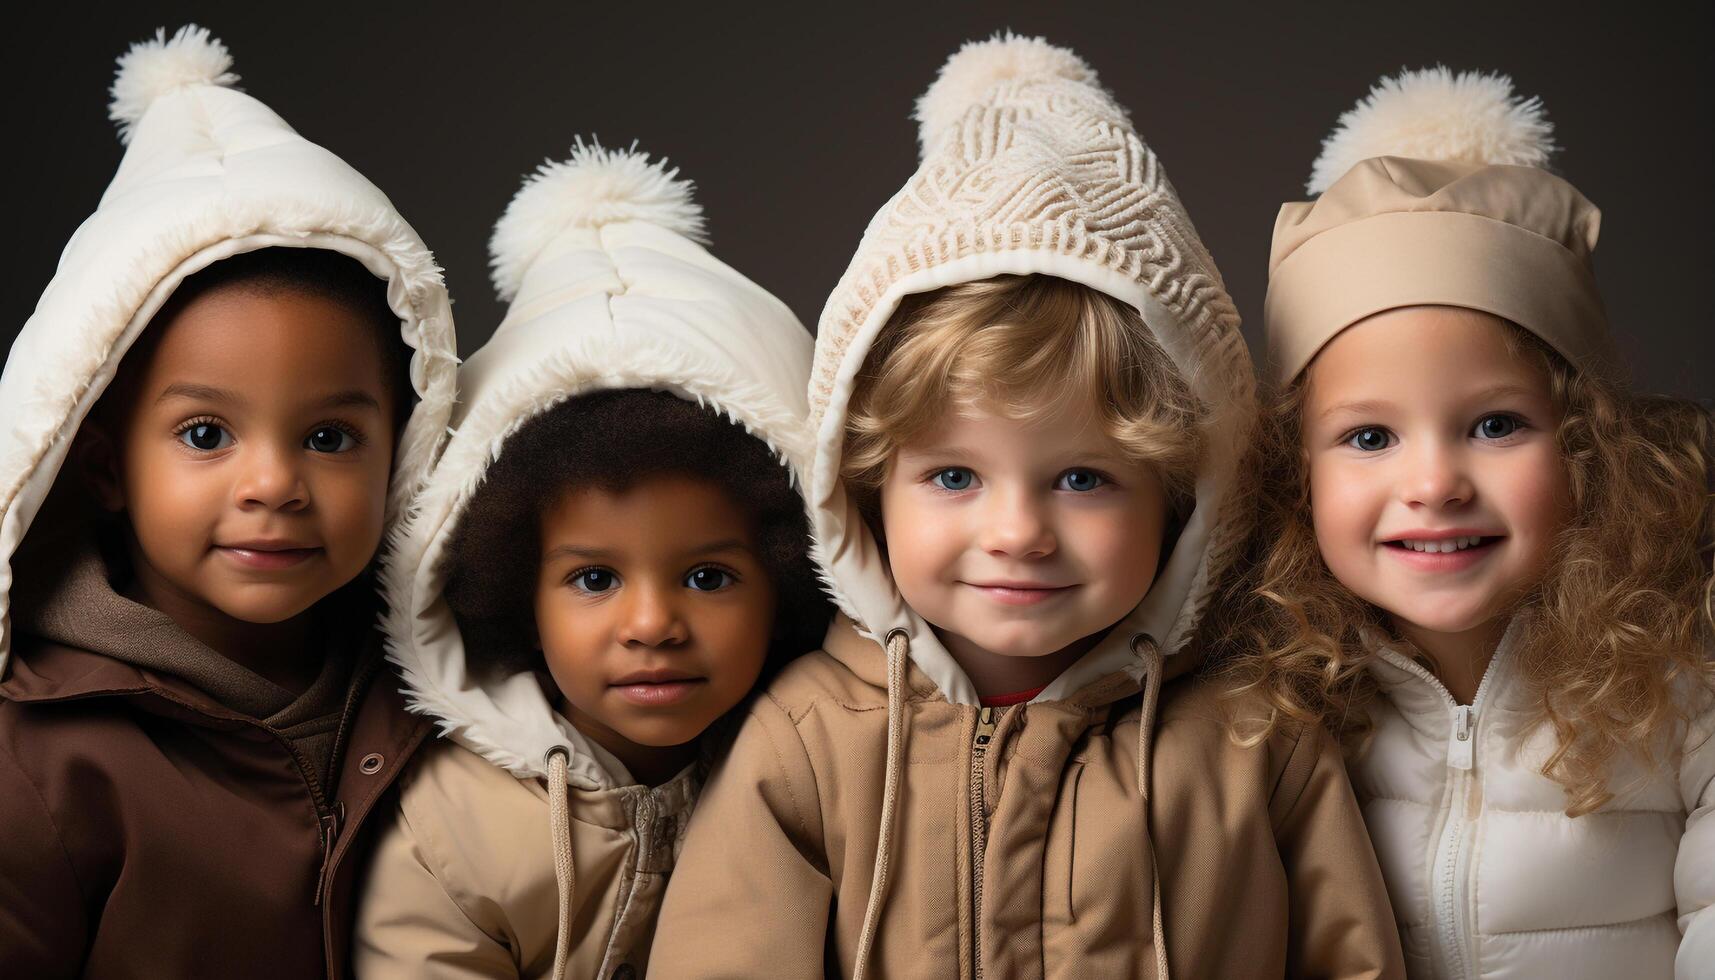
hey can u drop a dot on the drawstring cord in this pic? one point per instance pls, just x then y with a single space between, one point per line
559 827
897 659
1145 647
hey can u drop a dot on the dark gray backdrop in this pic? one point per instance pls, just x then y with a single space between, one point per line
794 120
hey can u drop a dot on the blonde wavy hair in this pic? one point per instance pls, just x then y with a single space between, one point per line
1621 623
1026 346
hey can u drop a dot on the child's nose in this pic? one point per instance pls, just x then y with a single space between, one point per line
270 478
651 618
1015 526
1437 476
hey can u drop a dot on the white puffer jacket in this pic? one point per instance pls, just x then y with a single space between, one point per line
1488 875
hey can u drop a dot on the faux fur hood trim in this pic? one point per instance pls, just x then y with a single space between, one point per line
509 721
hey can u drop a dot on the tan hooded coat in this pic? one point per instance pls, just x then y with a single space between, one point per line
476 877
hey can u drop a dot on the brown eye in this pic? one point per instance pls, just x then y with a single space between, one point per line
594 580
708 580
206 437
328 439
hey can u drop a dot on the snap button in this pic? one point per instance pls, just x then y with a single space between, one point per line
625 971
371 764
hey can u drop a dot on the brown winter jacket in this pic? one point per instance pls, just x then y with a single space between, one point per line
152 832
1262 859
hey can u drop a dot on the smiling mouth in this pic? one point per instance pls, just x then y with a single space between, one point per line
1019 594
1443 546
267 557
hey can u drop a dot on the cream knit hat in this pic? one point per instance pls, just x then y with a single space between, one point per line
1433 192
1029 166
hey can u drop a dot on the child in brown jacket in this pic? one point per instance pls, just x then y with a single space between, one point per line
1029 403
208 426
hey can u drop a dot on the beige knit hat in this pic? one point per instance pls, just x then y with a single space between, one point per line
1030 167
1433 192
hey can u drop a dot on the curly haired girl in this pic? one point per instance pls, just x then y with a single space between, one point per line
1481 560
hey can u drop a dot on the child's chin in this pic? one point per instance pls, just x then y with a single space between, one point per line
1023 643
265 611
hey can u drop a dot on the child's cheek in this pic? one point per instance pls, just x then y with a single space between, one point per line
354 505
1344 507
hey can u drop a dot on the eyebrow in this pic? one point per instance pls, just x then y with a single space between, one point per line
608 554
350 398
1369 407
716 547
586 554
204 393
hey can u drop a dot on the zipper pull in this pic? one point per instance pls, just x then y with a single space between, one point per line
330 830
985 726
1459 747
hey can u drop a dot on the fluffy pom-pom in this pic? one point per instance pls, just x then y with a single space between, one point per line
163 65
595 186
979 66
1435 114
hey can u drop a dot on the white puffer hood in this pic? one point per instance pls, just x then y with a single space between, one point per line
609 289
209 172
1029 166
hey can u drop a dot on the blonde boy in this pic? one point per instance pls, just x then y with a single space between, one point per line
1029 403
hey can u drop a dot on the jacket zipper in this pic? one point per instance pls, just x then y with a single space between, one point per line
332 812
979 832
1449 884
643 824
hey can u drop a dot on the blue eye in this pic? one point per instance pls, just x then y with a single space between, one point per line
709 580
205 437
954 478
1496 427
1083 481
594 580
330 439
1370 439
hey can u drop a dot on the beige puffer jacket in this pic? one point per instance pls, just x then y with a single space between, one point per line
520 834
873 818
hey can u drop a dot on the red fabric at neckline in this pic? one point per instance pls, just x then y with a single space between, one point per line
1008 700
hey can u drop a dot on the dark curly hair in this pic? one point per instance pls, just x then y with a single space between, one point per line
613 440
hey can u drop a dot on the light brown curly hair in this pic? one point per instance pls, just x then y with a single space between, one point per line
1621 622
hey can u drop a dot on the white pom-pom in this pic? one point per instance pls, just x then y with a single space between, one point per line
1434 114
595 186
975 69
164 65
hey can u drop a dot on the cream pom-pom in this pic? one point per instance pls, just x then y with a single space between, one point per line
975 69
163 65
1435 114
593 187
